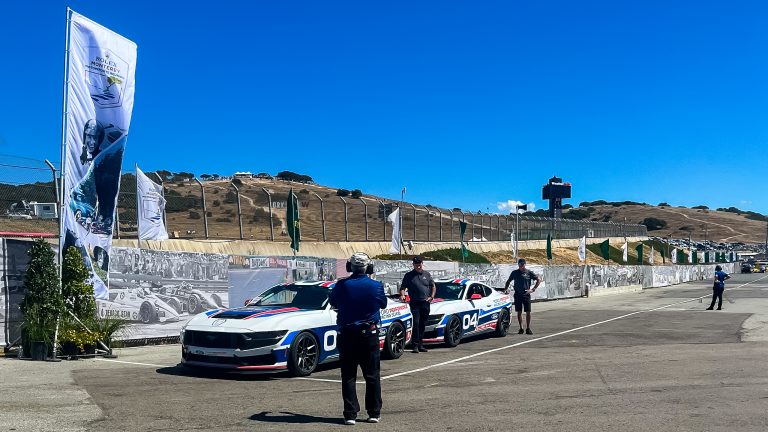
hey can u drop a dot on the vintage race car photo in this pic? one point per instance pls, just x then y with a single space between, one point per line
288 327
136 304
185 298
464 307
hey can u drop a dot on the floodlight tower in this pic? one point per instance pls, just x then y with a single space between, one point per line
554 191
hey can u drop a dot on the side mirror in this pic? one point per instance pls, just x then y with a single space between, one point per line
475 297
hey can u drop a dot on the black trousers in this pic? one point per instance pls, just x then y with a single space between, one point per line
358 347
420 312
717 294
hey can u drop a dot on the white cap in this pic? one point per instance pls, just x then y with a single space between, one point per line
359 259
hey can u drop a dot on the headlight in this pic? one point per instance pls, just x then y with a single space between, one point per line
261 339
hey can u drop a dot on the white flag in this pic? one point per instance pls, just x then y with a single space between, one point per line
583 249
690 256
650 256
394 219
624 250
150 206
674 256
512 240
100 87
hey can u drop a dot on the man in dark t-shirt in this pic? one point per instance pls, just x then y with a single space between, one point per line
421 290
522 278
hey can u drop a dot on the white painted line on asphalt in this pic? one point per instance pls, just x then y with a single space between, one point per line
133 363
319 379
421 369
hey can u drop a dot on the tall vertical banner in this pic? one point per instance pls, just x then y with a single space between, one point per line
150 205
394 219
99 101
583 248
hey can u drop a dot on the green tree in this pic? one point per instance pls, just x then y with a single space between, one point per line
41 281
77 293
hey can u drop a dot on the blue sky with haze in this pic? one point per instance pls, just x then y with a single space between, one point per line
468 104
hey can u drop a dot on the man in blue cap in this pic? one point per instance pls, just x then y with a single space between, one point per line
358 300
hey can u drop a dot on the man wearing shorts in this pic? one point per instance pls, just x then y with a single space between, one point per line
521 279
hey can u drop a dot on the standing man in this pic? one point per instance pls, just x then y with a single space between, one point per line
358 300
421 290
522 284
718 287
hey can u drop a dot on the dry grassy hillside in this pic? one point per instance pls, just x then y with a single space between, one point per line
682 221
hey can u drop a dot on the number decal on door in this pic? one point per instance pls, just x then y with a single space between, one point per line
469 321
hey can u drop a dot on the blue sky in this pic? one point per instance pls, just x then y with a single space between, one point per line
468 104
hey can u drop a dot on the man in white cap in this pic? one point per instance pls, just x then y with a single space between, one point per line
358 300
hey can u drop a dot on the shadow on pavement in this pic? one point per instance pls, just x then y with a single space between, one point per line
293 418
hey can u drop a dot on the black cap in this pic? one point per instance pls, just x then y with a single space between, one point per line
520 261
417 260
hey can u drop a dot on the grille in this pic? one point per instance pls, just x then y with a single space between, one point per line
242 341
434 319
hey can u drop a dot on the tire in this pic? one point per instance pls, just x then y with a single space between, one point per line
194 305
147 314
175 304
303 355
452 332
502 324
394 342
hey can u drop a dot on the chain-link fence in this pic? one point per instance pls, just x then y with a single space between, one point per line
256 209
27 196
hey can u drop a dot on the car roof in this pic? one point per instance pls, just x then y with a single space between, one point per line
457 281
325 284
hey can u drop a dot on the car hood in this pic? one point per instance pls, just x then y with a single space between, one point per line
253 318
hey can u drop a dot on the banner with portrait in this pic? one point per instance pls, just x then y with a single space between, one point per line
99 101
150 206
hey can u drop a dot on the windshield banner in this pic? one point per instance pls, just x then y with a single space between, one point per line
99 101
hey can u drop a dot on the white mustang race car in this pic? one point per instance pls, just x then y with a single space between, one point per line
288 327
464 307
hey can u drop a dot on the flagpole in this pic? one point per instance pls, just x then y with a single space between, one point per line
400 217
138 209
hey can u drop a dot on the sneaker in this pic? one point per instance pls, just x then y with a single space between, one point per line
350 422
528 331
415 350
422 349
521 331
373 419
708 309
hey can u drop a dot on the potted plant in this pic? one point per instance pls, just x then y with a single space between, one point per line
38 326
42 302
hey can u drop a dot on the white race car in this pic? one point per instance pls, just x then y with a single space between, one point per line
465 307
136 304
288 327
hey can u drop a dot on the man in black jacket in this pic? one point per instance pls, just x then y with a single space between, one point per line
358 300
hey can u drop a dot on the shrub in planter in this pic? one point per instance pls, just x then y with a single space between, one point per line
38 327
42 301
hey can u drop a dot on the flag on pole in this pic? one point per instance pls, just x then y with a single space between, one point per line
99 95
583 249
605 249
150 206
639 249
549 246
690 256
294 226
512 243
462 230
624 251
695 257
394 219
674 256
650 257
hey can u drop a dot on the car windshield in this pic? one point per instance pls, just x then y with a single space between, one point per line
448 291
298 296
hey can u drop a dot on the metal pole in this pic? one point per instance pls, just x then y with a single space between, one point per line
440 218
463 219
473 224
322 214
162 188
428 233
481 225
239 213
58 196
365 206
271 225
205 208
517 230
383 219
450 213
414 221
400 207
346 220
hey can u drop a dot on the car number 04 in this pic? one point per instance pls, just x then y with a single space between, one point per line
329 340
469 321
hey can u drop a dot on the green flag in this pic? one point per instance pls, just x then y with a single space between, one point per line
462 230
294 227
639 249
605 249
681 258
549 246
695 257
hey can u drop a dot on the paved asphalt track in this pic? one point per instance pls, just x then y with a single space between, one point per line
648 361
